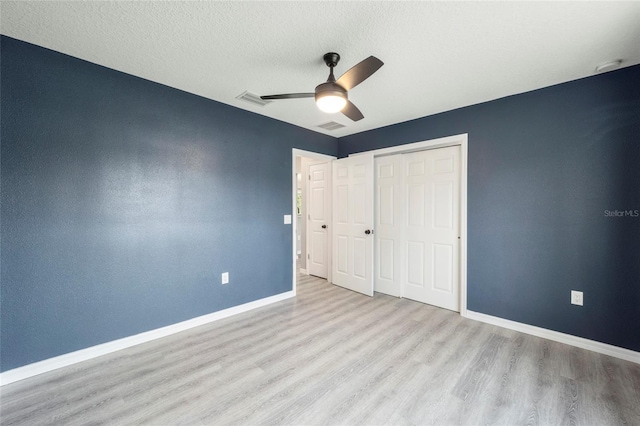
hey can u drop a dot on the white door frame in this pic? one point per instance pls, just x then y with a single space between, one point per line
295 152
461 140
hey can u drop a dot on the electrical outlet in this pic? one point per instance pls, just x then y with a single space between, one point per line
576 297
225 278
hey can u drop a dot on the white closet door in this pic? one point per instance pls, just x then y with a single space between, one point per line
319 218
432 227
352 225
389 223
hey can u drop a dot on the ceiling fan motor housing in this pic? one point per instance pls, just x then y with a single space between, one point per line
330 89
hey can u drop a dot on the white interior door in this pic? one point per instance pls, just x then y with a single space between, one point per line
432 226
352 226
389 225
319 218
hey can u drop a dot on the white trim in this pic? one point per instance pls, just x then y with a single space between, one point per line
556 336
295 152
51 364
464 172
418 146
303 271
463 141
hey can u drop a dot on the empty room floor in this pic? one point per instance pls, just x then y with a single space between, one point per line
330 356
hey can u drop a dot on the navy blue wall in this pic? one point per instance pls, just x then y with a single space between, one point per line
124 200
544 167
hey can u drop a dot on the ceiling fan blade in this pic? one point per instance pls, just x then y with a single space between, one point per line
352 111
360 72
288 96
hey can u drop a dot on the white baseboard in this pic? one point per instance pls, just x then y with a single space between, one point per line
556 336
50 364
304 271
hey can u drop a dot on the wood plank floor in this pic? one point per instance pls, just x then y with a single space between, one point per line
330 357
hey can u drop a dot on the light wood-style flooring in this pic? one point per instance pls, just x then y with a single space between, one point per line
333 357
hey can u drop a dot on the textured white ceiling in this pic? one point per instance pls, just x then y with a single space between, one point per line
438 55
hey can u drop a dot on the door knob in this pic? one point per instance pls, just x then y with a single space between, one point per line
324 226
368 231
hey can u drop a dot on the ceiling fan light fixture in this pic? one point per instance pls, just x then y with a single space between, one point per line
331 96
331 102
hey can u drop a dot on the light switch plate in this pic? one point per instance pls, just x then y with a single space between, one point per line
225 278
287 219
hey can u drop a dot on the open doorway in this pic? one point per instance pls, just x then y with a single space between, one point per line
305 163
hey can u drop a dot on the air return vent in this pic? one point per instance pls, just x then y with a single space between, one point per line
331 125
252 98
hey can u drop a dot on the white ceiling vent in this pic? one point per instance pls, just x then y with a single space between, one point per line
252 98
608 66
331 125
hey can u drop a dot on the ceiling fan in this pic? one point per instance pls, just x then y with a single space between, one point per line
332 96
